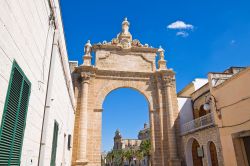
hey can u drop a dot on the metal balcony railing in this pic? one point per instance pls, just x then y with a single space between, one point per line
197 124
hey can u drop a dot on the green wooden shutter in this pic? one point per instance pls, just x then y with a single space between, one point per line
54 145
14 117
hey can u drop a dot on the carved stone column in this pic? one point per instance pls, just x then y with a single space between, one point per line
83 121
173 160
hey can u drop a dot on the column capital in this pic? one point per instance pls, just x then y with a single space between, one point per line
168 80
85 77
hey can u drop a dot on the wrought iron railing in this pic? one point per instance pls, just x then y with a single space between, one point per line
197 124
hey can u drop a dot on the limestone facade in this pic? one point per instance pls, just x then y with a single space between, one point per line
144 134
125 63
32 36
231 94
124 143
201 128
203 137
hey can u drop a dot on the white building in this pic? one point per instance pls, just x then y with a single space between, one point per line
36 99
185 101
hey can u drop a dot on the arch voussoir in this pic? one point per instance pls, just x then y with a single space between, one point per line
104 91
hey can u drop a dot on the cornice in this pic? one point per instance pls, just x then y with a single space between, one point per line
109 47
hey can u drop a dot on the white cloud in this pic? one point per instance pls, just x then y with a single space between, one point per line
180 25
232 42
182 34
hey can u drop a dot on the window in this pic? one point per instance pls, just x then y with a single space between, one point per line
14 117
246 141
54 145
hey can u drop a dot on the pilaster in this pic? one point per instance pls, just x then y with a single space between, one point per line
83 122
168 84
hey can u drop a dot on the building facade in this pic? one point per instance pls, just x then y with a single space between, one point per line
199 133
231 105
214 119
144 134
132 144
36 99
121 143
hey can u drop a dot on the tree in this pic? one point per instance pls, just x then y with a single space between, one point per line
139 156
128 154
118 158
145 148
110 157
115 158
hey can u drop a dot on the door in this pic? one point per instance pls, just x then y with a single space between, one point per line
213 154
197 161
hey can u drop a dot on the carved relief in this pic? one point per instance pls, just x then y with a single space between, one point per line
123 61
168 80
85 77
124 39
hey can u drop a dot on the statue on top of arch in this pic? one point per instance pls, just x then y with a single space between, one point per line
124 38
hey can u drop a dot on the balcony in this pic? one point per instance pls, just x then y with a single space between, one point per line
197 124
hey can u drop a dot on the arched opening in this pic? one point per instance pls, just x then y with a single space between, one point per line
202 111
125 111
212 155
192 153
197 160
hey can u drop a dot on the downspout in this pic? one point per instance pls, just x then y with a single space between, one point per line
47 97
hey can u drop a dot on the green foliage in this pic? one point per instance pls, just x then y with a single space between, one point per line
118 157
145 147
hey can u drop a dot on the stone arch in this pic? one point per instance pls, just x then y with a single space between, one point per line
188 151
124 63
113 86
212 158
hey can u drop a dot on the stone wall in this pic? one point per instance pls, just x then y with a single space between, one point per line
110 60
204 137
100 84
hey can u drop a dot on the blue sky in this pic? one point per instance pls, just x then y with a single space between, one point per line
210 36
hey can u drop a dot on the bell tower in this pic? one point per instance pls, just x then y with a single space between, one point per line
117 140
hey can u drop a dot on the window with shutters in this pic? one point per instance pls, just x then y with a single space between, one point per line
14 117
54 145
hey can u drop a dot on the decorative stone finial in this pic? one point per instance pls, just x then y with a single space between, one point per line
87 48
125 27
125 22
87 54
124 38
161 52
161 63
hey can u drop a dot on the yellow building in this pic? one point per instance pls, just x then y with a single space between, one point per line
230 93
199 134
215 119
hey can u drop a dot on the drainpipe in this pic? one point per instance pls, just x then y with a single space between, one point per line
48 89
